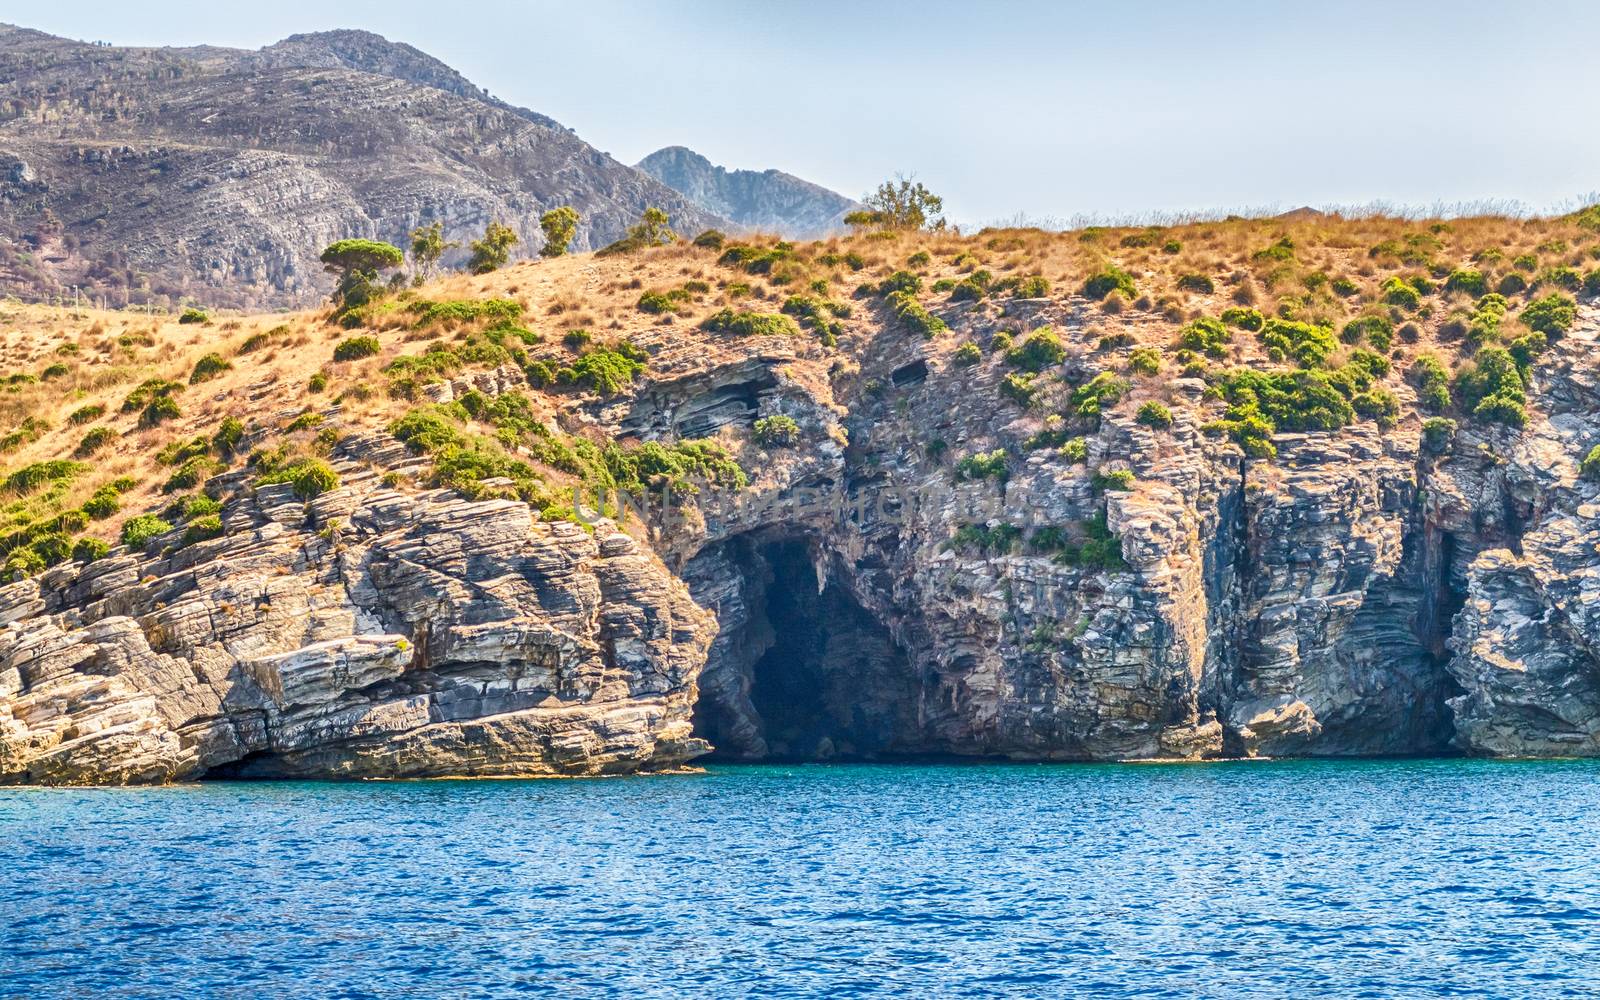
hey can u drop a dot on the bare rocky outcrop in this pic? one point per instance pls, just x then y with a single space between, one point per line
369 633
767 201
158 175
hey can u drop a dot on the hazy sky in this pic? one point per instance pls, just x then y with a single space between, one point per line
1055 110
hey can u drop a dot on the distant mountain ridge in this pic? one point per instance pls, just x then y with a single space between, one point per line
766 200
218 174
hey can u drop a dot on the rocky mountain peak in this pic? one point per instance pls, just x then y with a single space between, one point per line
767 200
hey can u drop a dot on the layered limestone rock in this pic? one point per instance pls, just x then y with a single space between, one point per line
1357 594
370 633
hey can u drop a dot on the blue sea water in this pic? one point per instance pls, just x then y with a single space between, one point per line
1350 879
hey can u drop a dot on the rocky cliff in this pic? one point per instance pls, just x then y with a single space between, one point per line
217 175
766 201
941 547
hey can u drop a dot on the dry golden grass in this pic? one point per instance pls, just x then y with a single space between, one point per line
107 353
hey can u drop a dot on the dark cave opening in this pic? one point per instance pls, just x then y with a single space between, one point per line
810 674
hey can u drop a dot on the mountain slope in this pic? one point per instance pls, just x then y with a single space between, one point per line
218 175
764 200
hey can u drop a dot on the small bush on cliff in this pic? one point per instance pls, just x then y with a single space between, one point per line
138 532
356 348
1466 280
777 431
1114 480
1207 336
1244 318
1308 346
1552 315
310 477
1491 388
1591 464
93 441
1153 414
967 354
997 540
750 324
1144 361
207 368
87 550
1098 394
606 371
1111 279
1437 432
1040 350
915 316
984 465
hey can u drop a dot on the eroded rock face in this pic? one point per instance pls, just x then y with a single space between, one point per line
371 633
1355 595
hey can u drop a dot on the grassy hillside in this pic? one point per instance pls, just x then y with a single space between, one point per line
109 418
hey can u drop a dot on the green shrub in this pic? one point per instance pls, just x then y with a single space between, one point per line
1560 277
916 318
984 465
1373 328
777 431
608 372
162 408
1019 388
1196 283
138 532
1491 388
93 441
711 239
202 528
1396 291
1281 251
1466 280
1552 315
1590 469
102 504
1153 414
658 302
1512 284
998 540
1144 361
900 281
1437 432
356 348
55 371
148 390
1041 349
1376 404
1116 480
318 382
87 414
1111 279
1074 450
310 477
207 368
1032 287
750 324
1244 318
31 477
192 473
967 354
1309 346
1207 336
193 315
1098 395
1343 287
87 550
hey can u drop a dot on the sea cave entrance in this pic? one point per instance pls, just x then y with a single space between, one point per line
800 671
